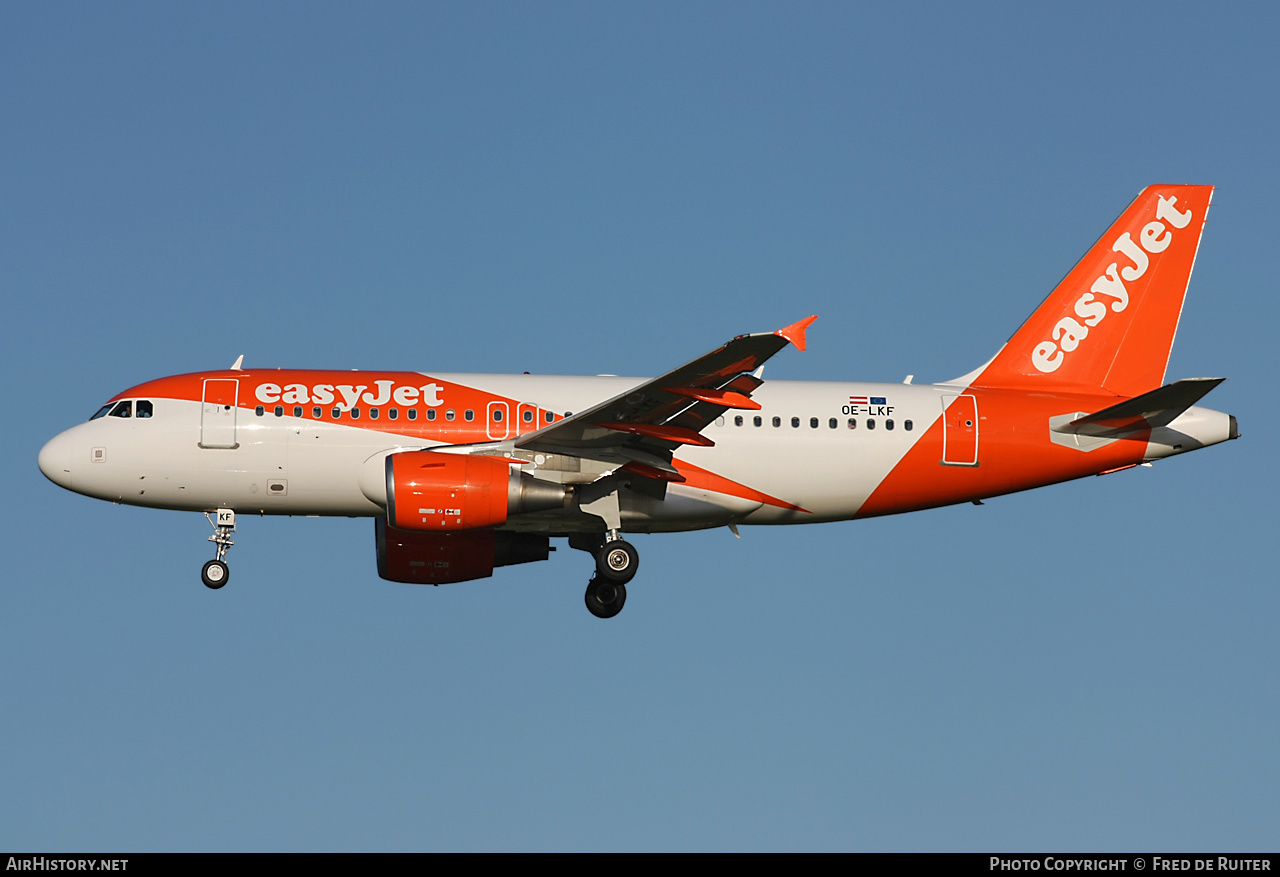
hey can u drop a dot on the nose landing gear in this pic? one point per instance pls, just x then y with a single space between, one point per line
215 573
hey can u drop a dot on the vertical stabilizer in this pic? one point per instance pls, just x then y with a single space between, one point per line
1109 325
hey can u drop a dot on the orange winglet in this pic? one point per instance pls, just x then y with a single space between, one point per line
647 471
795 332
727 398
677 434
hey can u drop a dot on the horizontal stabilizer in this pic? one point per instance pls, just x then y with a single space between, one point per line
1148 411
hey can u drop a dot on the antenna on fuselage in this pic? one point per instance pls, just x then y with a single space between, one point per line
235 366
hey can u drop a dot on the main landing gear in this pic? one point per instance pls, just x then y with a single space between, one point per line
215 573
605 599
616 564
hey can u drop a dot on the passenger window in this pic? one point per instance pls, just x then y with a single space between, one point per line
279 411
497 415
833 423
777 421
143 409
101 412
259 411
469 414
813 423
413 413
871 424
393 413
297 410
853 423
373 413
759 421
719 421
907 424
737 421
122 409
317 411
337 412
527 417
795 423
448 415
550 417
431 414
888 424
355 413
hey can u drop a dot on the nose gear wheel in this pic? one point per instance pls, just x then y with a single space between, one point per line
215 574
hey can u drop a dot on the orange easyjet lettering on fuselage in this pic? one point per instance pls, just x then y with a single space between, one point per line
424 407
348 396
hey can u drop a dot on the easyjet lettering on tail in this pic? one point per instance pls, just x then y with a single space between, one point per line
1155 238
466 473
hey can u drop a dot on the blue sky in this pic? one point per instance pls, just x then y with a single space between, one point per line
616 188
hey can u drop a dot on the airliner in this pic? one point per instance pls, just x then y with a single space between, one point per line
464 473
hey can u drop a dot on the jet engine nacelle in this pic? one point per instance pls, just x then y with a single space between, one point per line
435 492
441 558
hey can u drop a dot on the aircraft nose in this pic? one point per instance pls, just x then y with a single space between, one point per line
55 460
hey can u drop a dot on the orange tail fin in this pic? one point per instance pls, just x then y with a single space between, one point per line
1109 325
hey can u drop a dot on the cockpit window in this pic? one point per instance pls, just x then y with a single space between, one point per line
123 409
102 412
143 408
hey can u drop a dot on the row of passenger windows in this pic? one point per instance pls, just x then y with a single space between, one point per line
143 408
469 414
124 409
814 422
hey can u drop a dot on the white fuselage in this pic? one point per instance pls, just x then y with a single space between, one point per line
803 458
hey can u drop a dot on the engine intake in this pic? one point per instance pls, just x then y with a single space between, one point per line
435 492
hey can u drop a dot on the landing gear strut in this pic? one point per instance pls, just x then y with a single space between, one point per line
216 573
616 564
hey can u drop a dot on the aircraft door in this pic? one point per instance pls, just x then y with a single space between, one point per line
497 422
218 413
960 430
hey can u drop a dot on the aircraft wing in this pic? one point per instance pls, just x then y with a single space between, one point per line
655 418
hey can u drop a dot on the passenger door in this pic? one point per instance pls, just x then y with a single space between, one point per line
960 430
218 413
